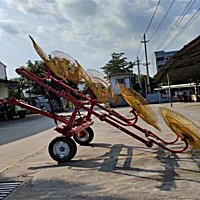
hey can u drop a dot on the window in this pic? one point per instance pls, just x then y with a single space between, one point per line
120 80
167 58
160 59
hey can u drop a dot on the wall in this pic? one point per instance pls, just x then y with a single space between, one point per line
161 57
3 90
3 78
113 81
2 71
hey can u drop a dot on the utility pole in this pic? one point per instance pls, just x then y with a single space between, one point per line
139 77
170 95
146 59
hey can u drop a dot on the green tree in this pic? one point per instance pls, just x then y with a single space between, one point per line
20 83
15 87
37 68
117 64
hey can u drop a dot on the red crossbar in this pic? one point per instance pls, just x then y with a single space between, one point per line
115 120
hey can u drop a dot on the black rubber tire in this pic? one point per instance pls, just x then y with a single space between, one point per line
63 145
22 114
8 116
89 135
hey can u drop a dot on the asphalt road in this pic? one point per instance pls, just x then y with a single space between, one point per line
17 129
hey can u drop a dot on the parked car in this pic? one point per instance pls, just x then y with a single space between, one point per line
8 112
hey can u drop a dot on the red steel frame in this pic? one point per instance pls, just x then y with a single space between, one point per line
75 126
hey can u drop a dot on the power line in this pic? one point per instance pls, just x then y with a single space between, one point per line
138 51
162 20
180 18
152 16
190 21
139 48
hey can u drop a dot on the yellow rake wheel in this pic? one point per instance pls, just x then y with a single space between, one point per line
140 105
183 127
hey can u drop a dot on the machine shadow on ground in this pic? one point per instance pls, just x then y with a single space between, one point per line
166 175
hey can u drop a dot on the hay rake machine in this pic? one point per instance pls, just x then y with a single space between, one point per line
97 94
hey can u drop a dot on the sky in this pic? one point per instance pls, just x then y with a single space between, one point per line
91 30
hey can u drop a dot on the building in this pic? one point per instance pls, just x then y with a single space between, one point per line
3 81
183 67
162 57
123 78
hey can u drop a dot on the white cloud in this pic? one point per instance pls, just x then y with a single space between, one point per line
32 6
91 30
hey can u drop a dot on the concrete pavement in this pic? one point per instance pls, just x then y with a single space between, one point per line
114 166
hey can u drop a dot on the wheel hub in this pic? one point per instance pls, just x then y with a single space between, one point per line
83 136
61 149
